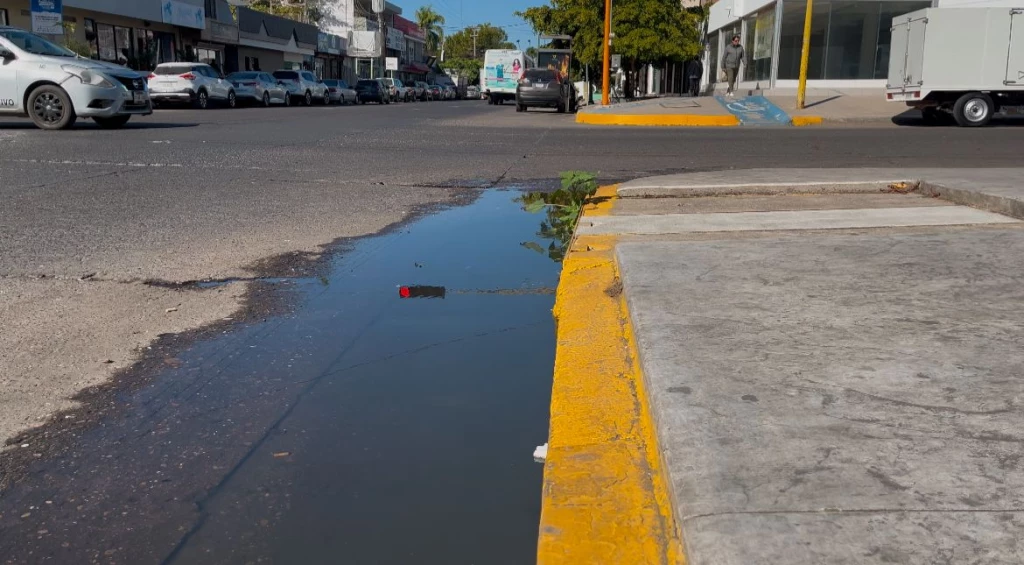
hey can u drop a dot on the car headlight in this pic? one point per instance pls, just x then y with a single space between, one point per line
87 76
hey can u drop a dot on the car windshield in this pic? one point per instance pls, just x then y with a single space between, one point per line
331 82
540 75
172 69
34 44
366 84
342 84
286 75
243 76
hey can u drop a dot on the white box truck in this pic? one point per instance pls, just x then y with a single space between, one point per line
964 62
502 70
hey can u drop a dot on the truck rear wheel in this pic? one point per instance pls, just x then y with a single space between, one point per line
974 109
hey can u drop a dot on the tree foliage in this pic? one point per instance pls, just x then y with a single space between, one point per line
469 68
646 31
312 11
432 23
459 45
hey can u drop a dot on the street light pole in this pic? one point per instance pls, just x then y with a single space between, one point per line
607 75
805 56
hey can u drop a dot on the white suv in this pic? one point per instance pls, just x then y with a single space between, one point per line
195 83
303 86
54 86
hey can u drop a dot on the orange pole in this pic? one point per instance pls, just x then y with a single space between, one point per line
606 82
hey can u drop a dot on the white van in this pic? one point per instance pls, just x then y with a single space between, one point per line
54 86
502 70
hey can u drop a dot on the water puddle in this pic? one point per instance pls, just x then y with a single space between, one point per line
390 419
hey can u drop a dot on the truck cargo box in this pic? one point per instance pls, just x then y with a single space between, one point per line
939 56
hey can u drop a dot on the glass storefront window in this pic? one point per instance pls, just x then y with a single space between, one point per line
105 42
713 73
849 39
123 38
758 44
90 37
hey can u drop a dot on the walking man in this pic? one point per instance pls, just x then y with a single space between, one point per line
731 59
694 70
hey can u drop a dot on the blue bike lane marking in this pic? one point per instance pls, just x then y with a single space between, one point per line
755 111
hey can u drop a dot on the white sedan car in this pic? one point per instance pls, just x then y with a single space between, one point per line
259 88
54 86
341 92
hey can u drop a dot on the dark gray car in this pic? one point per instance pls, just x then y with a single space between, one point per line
545 89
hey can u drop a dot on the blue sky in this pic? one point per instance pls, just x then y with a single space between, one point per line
462 13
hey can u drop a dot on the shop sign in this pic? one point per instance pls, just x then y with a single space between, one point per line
47 17
327 43
396 39
220 32
410 29
364 45
181 14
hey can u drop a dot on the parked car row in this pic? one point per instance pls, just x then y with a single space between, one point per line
54 86
388 90
200 85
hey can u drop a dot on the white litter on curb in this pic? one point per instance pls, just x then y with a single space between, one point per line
541 453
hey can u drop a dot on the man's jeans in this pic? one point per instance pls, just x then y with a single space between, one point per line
730 75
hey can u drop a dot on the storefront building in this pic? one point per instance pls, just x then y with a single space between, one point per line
138 34
412 65
268 43
850 40
218 41
330 57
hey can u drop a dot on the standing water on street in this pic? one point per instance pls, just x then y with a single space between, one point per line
390 417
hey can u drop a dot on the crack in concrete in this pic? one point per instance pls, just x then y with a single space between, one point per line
836 511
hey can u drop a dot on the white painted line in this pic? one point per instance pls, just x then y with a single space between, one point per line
789 220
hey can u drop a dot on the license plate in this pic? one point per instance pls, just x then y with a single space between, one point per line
139 97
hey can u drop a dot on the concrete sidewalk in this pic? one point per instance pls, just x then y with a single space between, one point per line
830 107
702 111
829 360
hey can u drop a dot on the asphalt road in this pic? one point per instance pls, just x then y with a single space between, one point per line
88 216
187 177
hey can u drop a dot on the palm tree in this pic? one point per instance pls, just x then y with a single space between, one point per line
431 22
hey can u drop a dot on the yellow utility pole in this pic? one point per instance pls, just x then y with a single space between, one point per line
805 56
607 77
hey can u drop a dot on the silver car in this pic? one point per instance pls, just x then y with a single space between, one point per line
303 86
340 91
190 83
259 88
54 86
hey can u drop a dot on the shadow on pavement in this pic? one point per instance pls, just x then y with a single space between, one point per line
90 125
912 118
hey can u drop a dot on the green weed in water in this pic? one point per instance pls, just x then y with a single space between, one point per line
562 209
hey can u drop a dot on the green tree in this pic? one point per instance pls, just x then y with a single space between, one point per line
432 24
459 45
469 68
646 31
311 11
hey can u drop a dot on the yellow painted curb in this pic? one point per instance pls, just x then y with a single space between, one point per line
605 497
678 120
801 121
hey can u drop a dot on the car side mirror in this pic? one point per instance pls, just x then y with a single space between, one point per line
6 55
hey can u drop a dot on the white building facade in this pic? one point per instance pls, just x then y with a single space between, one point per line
849 40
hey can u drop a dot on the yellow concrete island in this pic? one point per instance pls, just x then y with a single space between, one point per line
605 499
664 120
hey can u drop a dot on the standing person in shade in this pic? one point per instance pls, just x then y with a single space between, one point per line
694 70
731 59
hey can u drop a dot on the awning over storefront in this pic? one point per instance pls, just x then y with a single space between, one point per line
417 68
